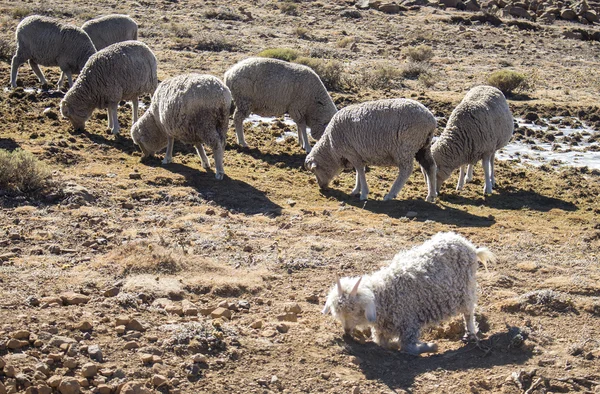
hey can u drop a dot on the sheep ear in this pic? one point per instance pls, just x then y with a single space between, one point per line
312 166
355 288
370 312
326 309
339 284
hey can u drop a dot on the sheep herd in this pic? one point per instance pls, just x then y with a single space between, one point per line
422 286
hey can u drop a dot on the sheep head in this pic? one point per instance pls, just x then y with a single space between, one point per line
324 171
77 116
148 135
350 303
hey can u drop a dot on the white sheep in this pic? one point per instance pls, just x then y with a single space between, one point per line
49 42
122 71
389 132
193 108
110 29
271 87
480 125
422 286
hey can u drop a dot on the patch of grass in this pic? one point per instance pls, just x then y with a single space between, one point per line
345 42
144 257
330 71
214 43
179 30
288 8
287 54
301 32
508 81
21 171
223 14
6 50
382 77
421 53
414 70
20 12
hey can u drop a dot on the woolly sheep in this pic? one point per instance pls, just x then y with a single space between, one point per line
122 71
422 286
271 87
388 132
48 42
193 108
110 29
480 125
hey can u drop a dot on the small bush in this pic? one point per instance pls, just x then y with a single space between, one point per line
301 33
21 171
345 42
179 30
382 77
288 8
507 81
414 70
6 50
421 53
330 71
214 43
287 54
223 14
20 12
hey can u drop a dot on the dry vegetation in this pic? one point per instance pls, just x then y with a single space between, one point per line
154 243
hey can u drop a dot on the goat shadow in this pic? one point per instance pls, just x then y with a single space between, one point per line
509 198
231 194
399 370
437 212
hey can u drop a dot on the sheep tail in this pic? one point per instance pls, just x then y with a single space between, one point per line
485 255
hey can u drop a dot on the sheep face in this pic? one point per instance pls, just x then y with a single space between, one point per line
352 304
147 135
443 173
76 116
324 172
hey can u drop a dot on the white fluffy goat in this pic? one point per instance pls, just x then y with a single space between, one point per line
480 125
271 87
422 286
122 71
193 108
110 29
49 42
390 132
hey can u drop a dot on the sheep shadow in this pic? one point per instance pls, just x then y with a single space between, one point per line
8 144
281 159
512 199
399 370
437 212
231 194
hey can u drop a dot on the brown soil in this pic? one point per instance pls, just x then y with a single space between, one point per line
142 240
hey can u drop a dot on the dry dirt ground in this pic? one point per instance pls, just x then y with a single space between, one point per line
121 263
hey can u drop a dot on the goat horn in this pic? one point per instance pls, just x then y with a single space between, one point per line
355 288
339 284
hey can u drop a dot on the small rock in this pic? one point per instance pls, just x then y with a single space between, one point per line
69 386
257 324
200 358
206 311
135 388
89 370
135 325
221 312
289 316
2 363
313 299
282 328
20 334
127 205
70 363
111 292
158 380
14 344
131 345
389 8
83 325
95 353
54 381
135 175
50 300
269 333
356 390
122 321
189 309
326 375
120 329
174 309
146 358
10 371
156 359
103 389
72 298
293 308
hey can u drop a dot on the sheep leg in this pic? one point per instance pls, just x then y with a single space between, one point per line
135 103
470 326
110 119
203 157
429 169
69 78
492 171
417 348
303 137
218 156
38 72
403 174
381 339
469 177
362 178
461 178
486 174
357 185
112 112
238 121
169 153
14 68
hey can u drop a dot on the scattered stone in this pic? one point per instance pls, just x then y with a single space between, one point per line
2 363
10 371
243 304
15 344
127 205
69 385
135 175
221 312
174 309
189 309
122 321
389 8
83 325
269 333
111 292
72 298
158 380
200 358
289 316
103 389
135 325
313 299
146 358
256 324
89 370
131 345
206 311
46 301
54 381
326 375
50 114
568 14
282 328
293 308
135 388
356 390
95 353
70 363
20 334
120 329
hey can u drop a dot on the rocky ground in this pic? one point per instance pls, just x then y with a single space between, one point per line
129 277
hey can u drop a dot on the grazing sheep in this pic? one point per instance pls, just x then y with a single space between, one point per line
270 87
48 42
422 286
193 108
480 125
385 132
122 71
110 29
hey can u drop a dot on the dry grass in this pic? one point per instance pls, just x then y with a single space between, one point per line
21 171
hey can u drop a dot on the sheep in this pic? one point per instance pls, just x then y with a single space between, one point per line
387 132
422 286
110 29
122 71
271 87
49 42
193 108
480 125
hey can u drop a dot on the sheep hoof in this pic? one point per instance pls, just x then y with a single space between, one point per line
387 197
166 160
430 198
219 176
206 166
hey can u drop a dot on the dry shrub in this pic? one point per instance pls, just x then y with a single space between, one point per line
345 42
288 8
21 171
179 30
507 81
382 77
214 43
223 14
330 71
414 70
287 54
421 53
6 50
145 257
